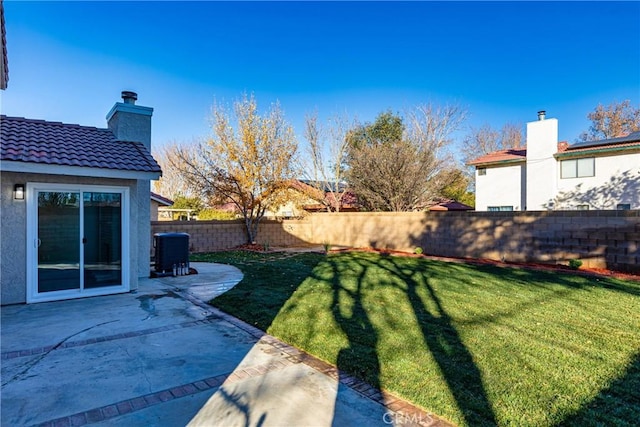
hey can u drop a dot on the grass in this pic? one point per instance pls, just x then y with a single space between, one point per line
477 345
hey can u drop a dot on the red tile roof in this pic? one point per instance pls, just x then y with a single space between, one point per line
631 141
450 205
510 155
54 143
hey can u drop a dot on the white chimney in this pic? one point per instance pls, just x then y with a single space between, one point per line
542 167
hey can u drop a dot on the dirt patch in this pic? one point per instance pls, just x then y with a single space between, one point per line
594 272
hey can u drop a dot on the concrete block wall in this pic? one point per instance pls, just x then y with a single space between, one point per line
204 236
601 239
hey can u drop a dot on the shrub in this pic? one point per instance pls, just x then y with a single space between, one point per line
575 264
418 250
214 214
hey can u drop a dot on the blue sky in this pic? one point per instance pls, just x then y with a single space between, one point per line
503 61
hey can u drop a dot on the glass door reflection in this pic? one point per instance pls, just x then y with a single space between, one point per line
102 239
58 241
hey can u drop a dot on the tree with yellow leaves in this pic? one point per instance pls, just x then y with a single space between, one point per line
250 165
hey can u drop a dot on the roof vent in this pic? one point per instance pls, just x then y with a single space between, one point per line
129 97
541 114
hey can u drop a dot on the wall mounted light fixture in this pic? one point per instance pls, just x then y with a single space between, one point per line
18 192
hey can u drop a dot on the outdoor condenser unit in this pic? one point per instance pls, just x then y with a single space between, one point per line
171 252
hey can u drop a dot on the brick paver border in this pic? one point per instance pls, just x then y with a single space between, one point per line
399 411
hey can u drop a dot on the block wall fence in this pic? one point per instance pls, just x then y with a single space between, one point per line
601 239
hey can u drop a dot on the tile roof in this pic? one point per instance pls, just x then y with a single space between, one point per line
451 205
161 199
55 143
510 155
628 142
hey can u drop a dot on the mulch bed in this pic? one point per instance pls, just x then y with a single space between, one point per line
254 247
594 272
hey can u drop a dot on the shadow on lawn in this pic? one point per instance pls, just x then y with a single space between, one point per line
360 358
351 307
452 356
437 327
614 405
440 336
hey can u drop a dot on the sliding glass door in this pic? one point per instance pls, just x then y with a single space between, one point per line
58 241
102 242
79 246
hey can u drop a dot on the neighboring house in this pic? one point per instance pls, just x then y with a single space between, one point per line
75 218
548 174
324 195
450 205
156 202
309 196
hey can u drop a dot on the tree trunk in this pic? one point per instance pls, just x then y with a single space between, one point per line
249 230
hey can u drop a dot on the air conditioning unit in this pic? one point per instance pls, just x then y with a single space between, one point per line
171 253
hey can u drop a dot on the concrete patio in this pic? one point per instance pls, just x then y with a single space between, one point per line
160 356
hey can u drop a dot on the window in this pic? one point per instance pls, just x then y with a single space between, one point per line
582 207
499 208
578 168
482 171
623 206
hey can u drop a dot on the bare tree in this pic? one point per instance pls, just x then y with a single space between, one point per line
485 140
250 166
172 183
396 163
327 177
617 119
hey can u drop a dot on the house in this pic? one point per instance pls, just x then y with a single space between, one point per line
552 175
326 194
156 202
449 205
308 196
75 211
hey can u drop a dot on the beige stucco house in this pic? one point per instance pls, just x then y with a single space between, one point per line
75 211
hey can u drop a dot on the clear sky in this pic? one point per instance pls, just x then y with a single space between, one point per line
504 61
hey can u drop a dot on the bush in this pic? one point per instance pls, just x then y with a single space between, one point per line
214 214
575 264
417 251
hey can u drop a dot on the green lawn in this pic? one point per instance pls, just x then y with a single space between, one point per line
477 345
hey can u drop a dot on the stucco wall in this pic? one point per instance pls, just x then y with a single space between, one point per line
140 228
608 239
13 244
154 210
542 169
501 186
616 180
13 227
